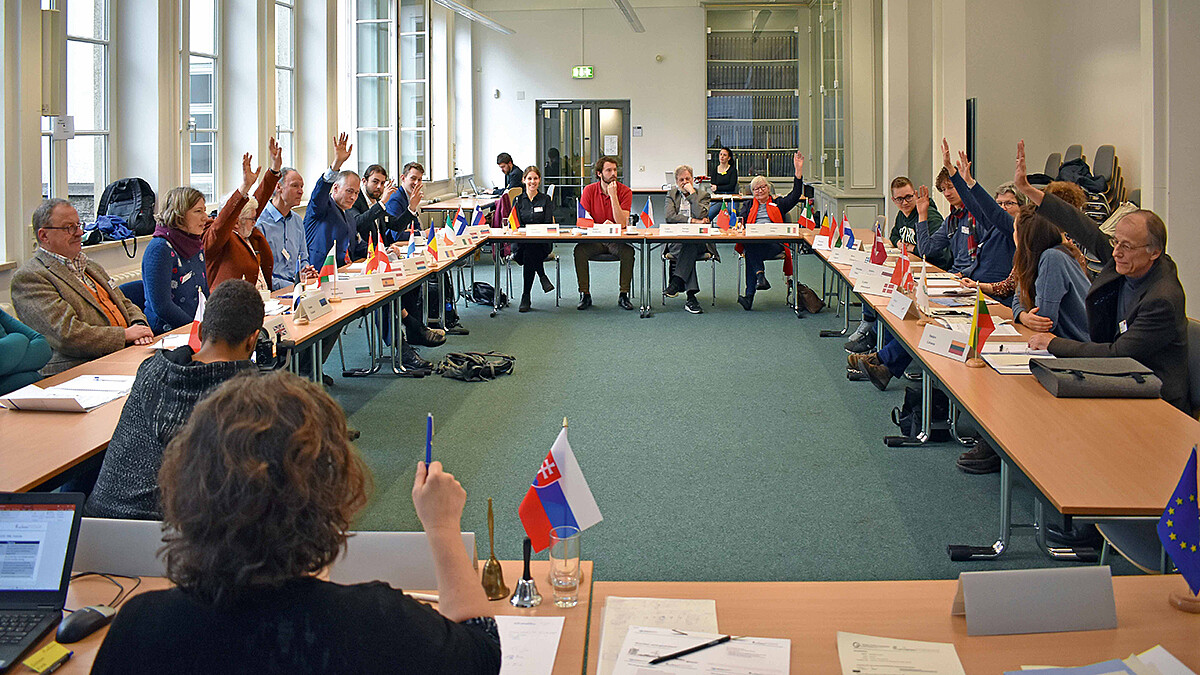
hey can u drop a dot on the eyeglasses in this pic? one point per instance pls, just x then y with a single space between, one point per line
905 199
1123 247
1007 204
73 229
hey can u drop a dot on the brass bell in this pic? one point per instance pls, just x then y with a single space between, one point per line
493 576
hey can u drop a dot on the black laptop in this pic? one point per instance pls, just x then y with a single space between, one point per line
38 531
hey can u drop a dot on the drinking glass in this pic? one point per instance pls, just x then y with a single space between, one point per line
564 565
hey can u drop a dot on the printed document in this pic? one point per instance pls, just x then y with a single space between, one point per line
869 655
761 656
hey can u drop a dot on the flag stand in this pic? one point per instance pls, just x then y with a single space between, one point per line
1185 602
976 362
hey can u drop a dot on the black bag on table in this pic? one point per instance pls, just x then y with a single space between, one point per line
1118 377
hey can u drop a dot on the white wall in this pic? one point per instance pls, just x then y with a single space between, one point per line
1055 74
666 99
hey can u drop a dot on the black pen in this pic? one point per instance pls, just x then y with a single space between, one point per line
691 650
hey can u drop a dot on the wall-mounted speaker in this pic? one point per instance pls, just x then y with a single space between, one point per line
54 62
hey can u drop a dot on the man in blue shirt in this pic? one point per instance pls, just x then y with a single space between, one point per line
284 231
325 220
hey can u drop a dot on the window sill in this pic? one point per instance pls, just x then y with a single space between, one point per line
8 265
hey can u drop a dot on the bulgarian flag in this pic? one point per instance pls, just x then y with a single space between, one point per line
902 276
513 222
194 337
981 323
377 260
329 267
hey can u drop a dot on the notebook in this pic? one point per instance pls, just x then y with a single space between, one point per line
38 532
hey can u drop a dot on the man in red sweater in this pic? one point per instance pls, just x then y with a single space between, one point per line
606 201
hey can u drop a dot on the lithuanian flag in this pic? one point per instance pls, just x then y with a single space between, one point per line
981 323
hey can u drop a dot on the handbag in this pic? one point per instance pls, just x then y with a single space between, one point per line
1120 377
809 298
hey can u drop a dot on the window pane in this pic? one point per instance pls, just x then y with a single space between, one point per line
373 147
286 143
412 57
86 175
283 36
373 102
45 167
203 26
373 9
412 104
373 47
283 99
412 146
201 91
85 85
412 16
202 163
85 18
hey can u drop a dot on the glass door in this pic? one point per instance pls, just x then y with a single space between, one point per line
571 136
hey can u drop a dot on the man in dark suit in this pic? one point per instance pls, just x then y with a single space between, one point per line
512 173
1135 306
368 213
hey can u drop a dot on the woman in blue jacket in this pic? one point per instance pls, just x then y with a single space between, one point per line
23 351
173 265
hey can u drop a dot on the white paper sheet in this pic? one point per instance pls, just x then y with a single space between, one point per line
81 394
1164 661
528 643
761 656
621 613
173 341
868 655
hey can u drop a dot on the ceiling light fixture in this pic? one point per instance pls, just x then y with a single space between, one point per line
630 15
467 12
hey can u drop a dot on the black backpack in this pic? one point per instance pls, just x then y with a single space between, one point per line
482 293
908 415
131 199
475 366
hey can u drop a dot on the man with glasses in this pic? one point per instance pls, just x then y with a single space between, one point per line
904 229
69 299
1135 306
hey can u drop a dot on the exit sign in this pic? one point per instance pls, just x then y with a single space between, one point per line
582 72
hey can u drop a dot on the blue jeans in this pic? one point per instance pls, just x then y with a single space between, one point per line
894 356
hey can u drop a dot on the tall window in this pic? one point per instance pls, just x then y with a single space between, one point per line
202 99
374 83
414 82
77 169
285 77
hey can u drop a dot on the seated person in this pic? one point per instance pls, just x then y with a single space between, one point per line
69 299
532 206
233 248
1051 276
1135 306
173 270
904 230
369 212
22 353
607 201
284 231
686 204
724 180
258 492
167 387
762 209
512 173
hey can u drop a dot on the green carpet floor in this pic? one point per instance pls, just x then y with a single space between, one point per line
724 446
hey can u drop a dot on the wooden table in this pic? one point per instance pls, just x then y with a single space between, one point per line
811 613
93 590
1095 459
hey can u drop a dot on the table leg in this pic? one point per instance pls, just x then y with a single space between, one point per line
318 372
1058 552
646 304
926 424
496 289
795 250
843 295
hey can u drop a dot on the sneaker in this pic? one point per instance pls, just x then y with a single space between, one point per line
674 287
763 284
585 301
745 302
693 305
861 345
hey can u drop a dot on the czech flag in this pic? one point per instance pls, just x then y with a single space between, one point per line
646 217
329 267
513 222
194 337
878 252
847 231
378 259
981 323
582 217
902 276
1179 526
559 496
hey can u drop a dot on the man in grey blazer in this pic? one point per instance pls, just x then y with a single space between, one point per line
69 299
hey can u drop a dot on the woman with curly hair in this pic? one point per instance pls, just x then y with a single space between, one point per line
258 492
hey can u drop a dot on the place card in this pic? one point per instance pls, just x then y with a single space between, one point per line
944 342
874 284
1009 602
901 306
541 230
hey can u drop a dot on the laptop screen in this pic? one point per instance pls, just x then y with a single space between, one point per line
34 543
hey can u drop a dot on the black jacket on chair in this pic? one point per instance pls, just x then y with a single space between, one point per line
1156 326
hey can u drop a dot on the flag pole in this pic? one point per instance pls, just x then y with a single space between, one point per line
333 291
564 422
974 361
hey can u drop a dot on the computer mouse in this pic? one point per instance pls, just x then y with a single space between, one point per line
83 622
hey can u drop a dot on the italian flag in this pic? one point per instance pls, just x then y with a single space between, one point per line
981 323
329 267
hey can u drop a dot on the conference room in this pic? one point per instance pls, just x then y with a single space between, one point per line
731 454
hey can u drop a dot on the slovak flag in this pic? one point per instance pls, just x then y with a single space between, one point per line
878 252
558 496
194 337
646 217
582 217
848 242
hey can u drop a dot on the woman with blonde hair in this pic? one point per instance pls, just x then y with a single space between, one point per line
233 247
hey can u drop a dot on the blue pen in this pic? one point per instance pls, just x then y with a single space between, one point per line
429 440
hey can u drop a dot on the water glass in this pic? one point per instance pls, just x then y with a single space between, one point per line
564 565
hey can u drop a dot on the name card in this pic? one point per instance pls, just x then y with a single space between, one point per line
498 231
543 230
1009 602
944 342
313 305
822 243
765 229
874 284
604 230
413 266
276 326
358 286
901 306
384 282
863 267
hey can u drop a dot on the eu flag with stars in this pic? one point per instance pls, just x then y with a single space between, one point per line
1179 527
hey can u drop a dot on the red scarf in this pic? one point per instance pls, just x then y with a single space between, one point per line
772 212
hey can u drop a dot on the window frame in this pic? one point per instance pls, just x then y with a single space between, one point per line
289 157
189 127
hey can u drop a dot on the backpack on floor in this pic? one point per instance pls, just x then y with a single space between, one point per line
908 415
131 199
482 293
475 366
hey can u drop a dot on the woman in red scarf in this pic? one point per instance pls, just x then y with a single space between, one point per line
766 208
